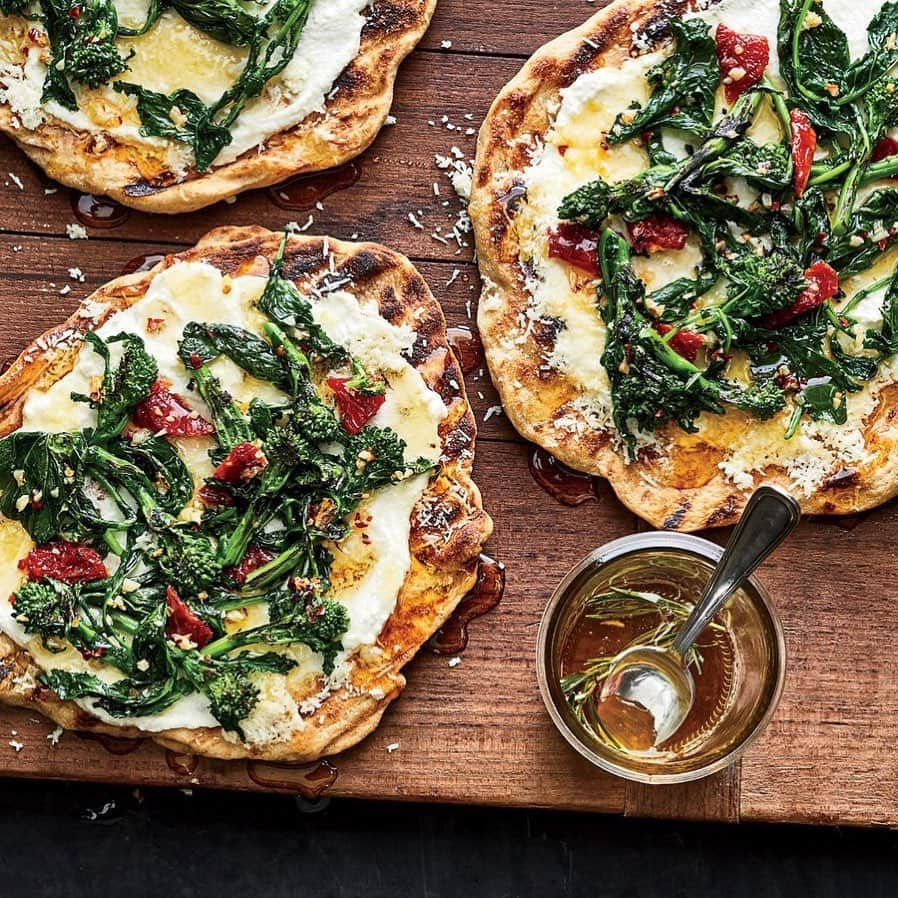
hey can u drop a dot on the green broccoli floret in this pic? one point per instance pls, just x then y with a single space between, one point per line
881 100
46 607
759 284
188 560
123 388
284 447
51 609
362 382
319 625
317 422
376 456
227 681
13 7
232 698
94 62
589 205
92 57
763 399
291 453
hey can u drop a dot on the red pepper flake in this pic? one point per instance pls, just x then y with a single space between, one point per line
742 58
562 149
154 324
253 558
196 360
823 284
183 623
91 654
684 342
575 244
69 562
657 232
166 412
75 11
356 409
804 143
244 462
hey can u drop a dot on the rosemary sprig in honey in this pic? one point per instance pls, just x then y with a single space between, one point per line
612 607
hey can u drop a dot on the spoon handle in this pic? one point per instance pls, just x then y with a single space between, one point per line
770 516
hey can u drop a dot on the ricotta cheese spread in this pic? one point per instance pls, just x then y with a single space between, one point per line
368 573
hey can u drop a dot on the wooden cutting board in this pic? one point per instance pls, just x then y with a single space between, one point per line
477 732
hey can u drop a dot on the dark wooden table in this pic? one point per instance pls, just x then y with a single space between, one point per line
477 732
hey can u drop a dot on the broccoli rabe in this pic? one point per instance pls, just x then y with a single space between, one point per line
231 425
320 626
92 57
45 607
188 559
292 509
282 302
82 44
650 382
124 387
232 698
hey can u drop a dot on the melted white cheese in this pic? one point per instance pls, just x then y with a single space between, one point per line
174 54
571 154
368 571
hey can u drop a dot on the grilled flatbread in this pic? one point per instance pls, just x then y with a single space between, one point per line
387 544
151 123
706 399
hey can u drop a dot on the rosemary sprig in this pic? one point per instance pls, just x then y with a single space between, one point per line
616 605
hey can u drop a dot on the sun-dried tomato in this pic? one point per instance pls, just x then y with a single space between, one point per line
165 412
742 58
356 409
253 558
657 232
804 143
884 148
69 562
823 284
575 244
215 496
684 342
182 622
244 462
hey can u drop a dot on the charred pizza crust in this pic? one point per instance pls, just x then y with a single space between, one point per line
448 525
136 176
681 488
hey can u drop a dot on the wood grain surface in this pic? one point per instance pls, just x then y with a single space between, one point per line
477 732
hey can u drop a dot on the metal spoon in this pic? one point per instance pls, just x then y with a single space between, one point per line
649 692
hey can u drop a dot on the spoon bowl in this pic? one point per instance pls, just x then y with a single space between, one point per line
645 698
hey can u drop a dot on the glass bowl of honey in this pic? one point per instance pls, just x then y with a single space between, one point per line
638 590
